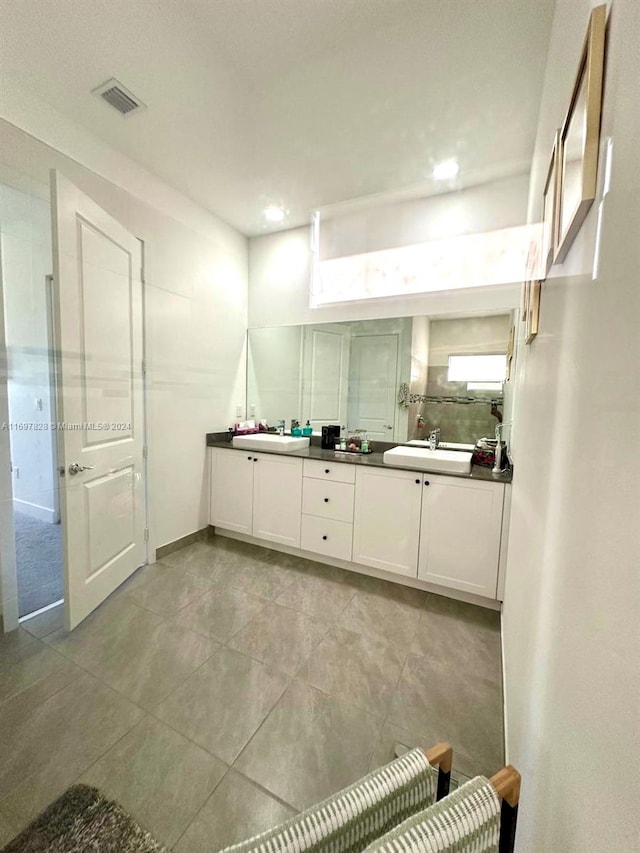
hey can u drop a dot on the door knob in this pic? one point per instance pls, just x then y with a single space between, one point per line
76 468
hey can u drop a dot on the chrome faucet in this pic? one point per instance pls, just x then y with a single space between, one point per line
281 426
434 439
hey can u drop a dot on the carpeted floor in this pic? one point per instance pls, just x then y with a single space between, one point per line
82 820
39 562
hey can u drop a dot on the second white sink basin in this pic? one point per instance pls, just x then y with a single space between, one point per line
446 461
270 441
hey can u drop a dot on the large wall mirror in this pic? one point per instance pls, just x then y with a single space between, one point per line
396 378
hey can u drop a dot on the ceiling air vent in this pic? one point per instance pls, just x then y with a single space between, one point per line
118 97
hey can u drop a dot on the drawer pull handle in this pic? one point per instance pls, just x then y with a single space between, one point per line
249 458
325 537
326 500
426 482
327 470
255 458
418 482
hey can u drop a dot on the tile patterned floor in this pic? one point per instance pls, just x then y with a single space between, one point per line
228 686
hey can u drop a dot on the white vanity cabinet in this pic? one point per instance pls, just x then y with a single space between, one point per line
446 531
327 508
386 525
460 529
440 529
259 494
231 484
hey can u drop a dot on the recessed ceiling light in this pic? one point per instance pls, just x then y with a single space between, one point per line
274 214
446 170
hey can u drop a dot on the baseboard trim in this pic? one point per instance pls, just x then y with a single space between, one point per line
42 513
177 544
505 718
403 580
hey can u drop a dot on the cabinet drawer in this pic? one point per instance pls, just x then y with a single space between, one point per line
329 500
341 472
327 536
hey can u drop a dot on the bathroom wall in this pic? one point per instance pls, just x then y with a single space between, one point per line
274 380
279 264
572 609
461 422
25 252
195 306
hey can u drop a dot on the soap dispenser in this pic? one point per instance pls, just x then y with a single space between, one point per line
307 429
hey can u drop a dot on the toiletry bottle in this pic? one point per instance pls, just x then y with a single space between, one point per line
307 429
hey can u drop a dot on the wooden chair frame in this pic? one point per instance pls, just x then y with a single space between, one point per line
507 786
441 756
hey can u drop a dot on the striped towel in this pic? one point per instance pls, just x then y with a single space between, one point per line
351 819
466 821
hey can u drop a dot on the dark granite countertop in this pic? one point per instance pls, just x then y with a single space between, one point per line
314 451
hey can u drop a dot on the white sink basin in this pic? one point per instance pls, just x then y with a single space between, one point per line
447 461
269 441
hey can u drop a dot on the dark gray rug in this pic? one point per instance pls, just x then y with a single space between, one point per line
39 562
82 820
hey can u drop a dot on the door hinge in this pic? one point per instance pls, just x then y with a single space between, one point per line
146 534
145 451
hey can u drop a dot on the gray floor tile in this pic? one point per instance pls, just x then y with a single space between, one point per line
362 670
436 699
317 595
222 704
45 623
37 668
42 753
204 559
220 613
13 641
391 591
391 735
169 591
158 776
310 746
254 577
281 637
466 636
7 829
135 651
372 614
236 810
142 576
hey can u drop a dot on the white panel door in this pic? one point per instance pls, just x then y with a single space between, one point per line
98 325
386 526
460 533
232 490
372 385
325 372
277 498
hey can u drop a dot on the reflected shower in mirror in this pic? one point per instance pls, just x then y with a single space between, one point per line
390 377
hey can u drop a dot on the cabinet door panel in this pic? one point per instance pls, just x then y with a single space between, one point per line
386 527
460 534
231 490
277 498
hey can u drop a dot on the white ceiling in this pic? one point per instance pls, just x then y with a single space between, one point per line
303 103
